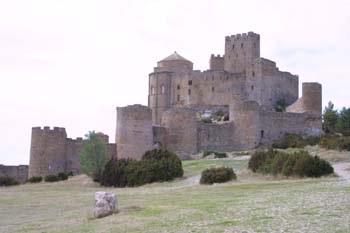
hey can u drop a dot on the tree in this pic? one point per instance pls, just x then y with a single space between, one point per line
281 105
330 118
93 156
343 124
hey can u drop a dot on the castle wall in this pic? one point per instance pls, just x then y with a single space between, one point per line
247 124
207 88
47 152
276 124
73 149
267 85
19 173
181 131
134 134
218 137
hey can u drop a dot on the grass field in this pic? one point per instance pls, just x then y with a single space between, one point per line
250 204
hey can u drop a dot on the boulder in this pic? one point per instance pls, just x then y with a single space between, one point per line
105 204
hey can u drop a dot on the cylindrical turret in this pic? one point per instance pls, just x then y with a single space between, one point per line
47 151
134 134
159 94
312 97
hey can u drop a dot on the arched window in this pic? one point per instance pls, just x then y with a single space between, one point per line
163 89
152 90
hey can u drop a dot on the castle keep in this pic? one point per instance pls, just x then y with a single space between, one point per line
230 106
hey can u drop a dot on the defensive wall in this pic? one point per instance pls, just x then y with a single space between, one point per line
52 152
19 173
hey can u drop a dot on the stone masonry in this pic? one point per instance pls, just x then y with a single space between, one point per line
241 81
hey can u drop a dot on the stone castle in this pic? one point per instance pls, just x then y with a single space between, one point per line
231 106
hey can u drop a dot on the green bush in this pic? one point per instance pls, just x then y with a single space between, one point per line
295 141
51 178
70 173
300 164
217 154
7 181
35 179
335 143
207 120
62 176
217 175
155 166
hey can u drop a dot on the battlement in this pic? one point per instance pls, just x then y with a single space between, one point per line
48 129
242 36
217 56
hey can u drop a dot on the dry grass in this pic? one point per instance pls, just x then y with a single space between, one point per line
251 204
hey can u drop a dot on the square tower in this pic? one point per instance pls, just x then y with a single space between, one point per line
240 51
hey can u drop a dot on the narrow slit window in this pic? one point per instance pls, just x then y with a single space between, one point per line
163 89
178 87
189 91
262 133
212 89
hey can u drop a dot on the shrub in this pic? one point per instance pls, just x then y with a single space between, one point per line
51 178
156 165
207 120
62 176
335 143
70 173
35 179
7 181
217 154
217 175
297 164
295 141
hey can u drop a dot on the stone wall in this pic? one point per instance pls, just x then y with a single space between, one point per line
52 152
311 100
240 51
218 137
47 152
181 131
19 173
134 134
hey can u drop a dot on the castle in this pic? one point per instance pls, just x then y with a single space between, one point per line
231 106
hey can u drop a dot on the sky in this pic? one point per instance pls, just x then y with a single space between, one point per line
71 63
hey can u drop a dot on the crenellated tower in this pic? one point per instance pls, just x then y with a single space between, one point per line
47 151
240 51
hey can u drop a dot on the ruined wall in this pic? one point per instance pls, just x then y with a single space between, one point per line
47 152
134 134
216 63
181 131
19 173
216 137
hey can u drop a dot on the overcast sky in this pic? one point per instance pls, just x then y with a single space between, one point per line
70 63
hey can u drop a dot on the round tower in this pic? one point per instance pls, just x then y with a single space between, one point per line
312 97
47 151
159 94
134 135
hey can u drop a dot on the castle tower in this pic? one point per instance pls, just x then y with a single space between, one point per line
159 98
134 135
240 51
47 151
312 97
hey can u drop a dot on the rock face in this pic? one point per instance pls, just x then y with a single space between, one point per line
105 204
